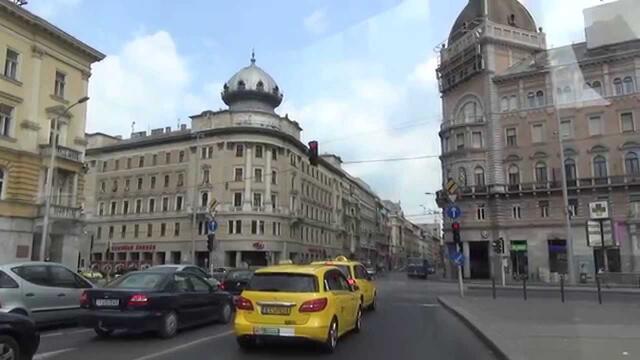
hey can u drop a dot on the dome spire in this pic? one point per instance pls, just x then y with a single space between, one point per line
253 56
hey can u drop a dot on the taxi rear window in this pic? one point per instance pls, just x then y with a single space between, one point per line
345 270
283 282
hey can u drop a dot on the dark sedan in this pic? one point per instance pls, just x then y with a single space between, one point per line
156 301
19 338
236 280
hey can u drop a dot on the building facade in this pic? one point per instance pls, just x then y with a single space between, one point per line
517 116
151 195
406 238
45 71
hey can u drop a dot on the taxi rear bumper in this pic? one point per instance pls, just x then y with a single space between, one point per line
316 329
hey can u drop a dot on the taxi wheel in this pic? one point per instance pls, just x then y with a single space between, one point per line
330 344
372 306
358 326
169 325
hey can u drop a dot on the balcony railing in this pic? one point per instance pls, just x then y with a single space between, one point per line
623 180
61 152
61 212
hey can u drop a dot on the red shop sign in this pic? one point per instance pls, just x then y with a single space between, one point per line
258 245
130 247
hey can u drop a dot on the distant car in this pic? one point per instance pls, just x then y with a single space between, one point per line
46 292
418 267
236 280
219 272
159 301
371 270
187 268
19 338
356 274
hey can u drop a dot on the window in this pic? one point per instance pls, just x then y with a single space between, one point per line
239 150
116 164
237 199
141 161
462 176
113 208
257 200
476 140
206 178
257 175
570 170
60 82
274 177
167 158
512 139
460 141
125 207
544 208
154 160
469 112
238 227
504 104
163 229
139 183
274 201
179 202
128 163
11 65
138 206
573 207
537 133
275 228
229 227
210 152
597 87
101 209
600 167
152 205
167 180
259 151
99 232
628 85
114 186
566 128
123 231
153 182
540 98
110 232
204 199
203 153
165 204
149 230
5 120
481 212
531 99
514 175
626 122
127 183
631 164
595 125
257 227
238 174
176 229
181 156
136 230
478 173
180 180
541 172
617 86
274 154
516 212
513 102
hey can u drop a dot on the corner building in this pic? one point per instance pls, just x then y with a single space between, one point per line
509 102
150 194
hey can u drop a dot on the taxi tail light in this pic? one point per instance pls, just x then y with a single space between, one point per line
138 300
84 299
242 303
351 281
314 305
221 286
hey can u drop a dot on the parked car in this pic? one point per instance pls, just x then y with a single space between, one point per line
158 301
236 280
418 267
187 268
220 272
46 292
19 337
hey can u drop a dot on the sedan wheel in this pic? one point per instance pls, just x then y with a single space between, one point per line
332 337
103 332
169 325
226 313
9 349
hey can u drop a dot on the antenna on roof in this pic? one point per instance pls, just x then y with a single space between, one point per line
133 126
253 56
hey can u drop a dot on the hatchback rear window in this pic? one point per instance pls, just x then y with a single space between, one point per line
6 282
143 281
280 282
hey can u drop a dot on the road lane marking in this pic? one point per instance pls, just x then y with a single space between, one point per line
183 346
430 305
79 331
51 334
51 354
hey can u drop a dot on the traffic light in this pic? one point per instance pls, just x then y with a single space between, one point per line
210 239
498 246
313 153
455 229
501 248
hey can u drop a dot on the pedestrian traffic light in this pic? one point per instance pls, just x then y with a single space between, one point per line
210 239
455 229
313 153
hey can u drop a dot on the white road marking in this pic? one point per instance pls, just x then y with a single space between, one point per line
183 346
51 354
79 331
51 334
430 305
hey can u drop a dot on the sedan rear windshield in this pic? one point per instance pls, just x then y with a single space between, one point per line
239 275
281 282
138 281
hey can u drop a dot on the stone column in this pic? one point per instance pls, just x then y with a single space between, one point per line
248 175
238 258
268 179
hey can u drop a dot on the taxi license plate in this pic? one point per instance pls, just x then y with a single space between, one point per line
274 331
276 310
107 302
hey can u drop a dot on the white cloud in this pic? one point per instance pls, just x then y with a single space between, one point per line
424 74
316 22
49 9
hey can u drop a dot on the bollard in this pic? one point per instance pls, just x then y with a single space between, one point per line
599 290
493 287
562 288
524 287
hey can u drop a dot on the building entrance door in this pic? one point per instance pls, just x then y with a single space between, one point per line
479 259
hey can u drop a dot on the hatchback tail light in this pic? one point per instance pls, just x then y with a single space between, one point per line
314 305
138 300
242 303
84 299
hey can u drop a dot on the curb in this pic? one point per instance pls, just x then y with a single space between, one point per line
556 289
500 354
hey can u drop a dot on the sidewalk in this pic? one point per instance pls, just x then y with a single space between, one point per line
546 329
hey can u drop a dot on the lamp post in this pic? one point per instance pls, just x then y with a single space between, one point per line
49 184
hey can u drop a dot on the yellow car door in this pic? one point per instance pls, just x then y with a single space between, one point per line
365 284
341 295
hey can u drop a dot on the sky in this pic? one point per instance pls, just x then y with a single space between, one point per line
358 75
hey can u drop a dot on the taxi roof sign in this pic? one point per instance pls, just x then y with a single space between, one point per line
341 258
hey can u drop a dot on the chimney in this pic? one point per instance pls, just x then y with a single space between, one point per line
183 126
167 129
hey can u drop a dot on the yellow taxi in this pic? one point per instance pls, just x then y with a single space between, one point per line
356 274
309 302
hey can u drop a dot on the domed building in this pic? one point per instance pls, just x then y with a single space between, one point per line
521 122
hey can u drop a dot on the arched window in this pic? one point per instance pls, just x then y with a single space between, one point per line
462 176
531 99
514 175
513 102
504 104
204 199
260 86
478 174
570 169
540 98
617 86
631 164
628 85
469 112
597 87
2 180
541 172
600 167
241 85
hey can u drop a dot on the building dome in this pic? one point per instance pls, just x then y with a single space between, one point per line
252 88
506 12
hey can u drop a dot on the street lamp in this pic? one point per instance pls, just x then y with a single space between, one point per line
49 184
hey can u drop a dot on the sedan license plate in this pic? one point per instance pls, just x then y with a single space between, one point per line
276 310
107 302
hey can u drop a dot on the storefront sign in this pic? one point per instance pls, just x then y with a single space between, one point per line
259 245
131 247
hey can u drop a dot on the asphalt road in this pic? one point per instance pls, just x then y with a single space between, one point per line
408 324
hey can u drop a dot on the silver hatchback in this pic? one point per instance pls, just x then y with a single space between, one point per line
46 292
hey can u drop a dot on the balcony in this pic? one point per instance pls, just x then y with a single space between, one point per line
61 212
61 152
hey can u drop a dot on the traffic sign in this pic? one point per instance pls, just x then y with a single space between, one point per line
212 226
599 210
454 212
452 190
457 258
